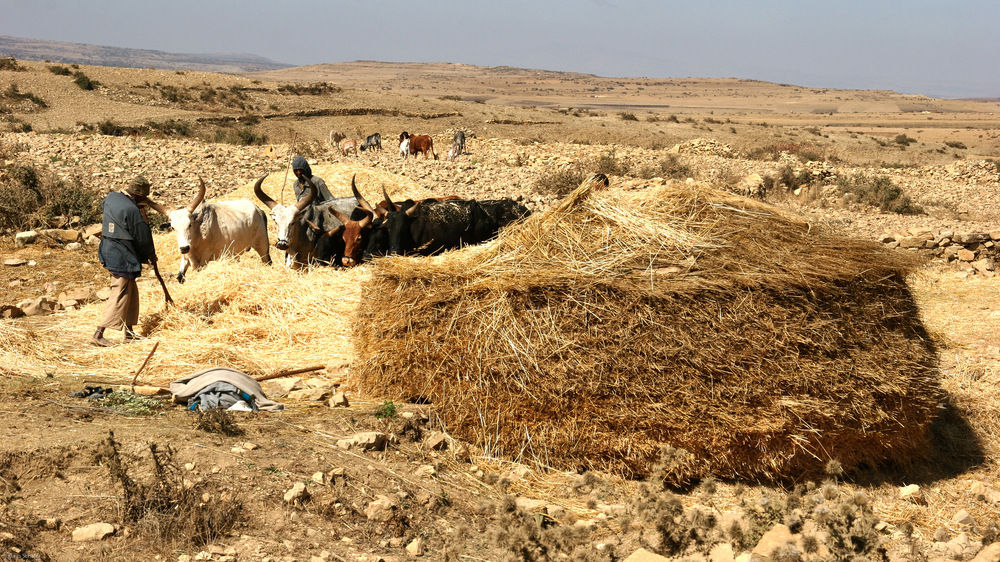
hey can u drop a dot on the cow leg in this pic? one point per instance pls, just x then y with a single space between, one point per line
264 250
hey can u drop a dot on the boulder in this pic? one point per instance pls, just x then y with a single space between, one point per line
22 239
37 306
79 294
63 235
93 532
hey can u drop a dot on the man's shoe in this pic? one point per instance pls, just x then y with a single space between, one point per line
100 393
87 391
132 336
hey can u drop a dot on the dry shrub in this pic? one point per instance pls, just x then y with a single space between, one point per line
218 420
163 508
594 334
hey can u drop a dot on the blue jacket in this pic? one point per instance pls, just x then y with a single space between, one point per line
126 241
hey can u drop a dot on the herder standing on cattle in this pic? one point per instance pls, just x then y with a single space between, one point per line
302 171
126 244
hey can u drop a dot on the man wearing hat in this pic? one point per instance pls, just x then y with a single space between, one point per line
126 244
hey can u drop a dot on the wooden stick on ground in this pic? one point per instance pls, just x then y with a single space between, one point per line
281 374
141 367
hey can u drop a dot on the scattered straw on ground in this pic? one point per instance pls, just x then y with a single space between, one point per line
237 313
595 334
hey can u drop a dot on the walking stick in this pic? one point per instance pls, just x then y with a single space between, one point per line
159 208
166 294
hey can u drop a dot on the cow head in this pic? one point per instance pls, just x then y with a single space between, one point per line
184 221
393 236
287 220
355 232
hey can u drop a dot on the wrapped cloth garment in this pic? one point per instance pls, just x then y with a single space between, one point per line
221 387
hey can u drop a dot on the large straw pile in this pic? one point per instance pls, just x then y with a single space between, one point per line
595 334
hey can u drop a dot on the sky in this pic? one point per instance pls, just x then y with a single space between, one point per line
938 48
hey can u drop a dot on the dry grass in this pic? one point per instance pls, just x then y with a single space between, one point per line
595 334
238 313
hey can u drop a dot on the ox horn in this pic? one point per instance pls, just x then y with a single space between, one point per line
344 219
308 199
357 195
198 198
159 208
271 203
413 210
392 206
369 216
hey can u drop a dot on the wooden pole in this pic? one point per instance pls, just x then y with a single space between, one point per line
289 373
143 366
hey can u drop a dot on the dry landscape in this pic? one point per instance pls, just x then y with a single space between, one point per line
304 484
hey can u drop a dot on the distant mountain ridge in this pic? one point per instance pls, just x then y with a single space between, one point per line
98 55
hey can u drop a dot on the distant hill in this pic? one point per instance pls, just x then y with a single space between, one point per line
79 53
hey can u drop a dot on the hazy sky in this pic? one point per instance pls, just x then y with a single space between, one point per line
938 48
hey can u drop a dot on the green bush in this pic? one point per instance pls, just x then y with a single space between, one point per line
242 137
32 199
669 167
956 145
560 182
626 116
879 191
792 181
84 82
60 70
610 165
174 94
110 128
170 127
903 140
10 63
14 94
310 89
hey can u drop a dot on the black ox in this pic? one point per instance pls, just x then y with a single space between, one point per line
433 226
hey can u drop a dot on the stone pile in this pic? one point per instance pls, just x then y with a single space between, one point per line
974 252
710 147
978 172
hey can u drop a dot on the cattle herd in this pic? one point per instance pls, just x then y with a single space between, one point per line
341 232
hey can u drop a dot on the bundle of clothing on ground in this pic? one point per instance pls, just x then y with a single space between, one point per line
222 387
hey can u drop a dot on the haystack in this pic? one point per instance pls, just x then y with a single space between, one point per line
595 335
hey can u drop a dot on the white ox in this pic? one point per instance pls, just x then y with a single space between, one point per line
207 231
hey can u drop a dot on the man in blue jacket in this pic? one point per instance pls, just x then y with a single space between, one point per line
126 244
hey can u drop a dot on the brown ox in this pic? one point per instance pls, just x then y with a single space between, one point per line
357 232
419 144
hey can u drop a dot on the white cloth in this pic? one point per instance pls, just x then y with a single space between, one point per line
187 387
